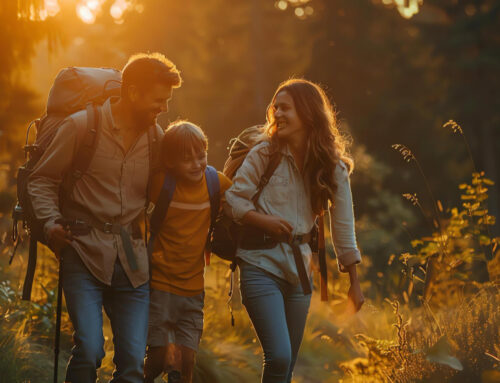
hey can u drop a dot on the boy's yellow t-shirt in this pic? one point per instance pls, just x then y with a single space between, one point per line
178 260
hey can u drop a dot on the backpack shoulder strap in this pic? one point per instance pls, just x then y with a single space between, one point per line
86 148
162 204
154 149
273 163
154 153
213 186
322 257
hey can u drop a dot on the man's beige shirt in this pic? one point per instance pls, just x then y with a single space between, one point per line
113 189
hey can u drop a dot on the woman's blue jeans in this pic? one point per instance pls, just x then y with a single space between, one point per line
278 311
127 308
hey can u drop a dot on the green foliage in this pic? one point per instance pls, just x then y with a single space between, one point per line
26 338
457 253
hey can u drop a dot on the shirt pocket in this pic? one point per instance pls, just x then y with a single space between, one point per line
138 174
276 192
104 166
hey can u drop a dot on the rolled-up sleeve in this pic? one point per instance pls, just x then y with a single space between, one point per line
239 195
44 181
342 221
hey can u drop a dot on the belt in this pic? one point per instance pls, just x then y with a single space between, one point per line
252 238
297 239
299 260
75 211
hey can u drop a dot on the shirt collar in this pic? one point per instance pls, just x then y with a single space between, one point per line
106 107
285 150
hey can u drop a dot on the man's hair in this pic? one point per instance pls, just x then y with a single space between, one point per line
146 69
180 139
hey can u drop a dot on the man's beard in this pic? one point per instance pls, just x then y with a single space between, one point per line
144 119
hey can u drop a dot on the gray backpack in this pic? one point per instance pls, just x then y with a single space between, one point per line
74 89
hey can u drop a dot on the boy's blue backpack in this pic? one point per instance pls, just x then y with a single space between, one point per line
166 195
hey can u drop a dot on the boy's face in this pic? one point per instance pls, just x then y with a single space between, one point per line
192 167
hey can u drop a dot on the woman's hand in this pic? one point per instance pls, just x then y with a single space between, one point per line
275 226
355 295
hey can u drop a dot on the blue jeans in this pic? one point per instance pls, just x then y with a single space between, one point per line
278 311
127 309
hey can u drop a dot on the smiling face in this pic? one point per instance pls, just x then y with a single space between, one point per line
146 104
288 123
184 151
192 165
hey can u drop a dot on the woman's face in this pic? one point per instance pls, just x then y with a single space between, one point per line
288 124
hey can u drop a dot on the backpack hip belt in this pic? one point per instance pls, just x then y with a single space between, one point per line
74 211
255 239
252 238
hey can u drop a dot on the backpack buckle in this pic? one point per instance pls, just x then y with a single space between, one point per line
108 227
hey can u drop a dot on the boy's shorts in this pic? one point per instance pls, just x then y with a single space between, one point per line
175 319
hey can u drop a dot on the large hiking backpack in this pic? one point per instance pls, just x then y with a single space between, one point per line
74 89
225 235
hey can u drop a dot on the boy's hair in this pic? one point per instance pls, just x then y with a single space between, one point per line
180 139
146 69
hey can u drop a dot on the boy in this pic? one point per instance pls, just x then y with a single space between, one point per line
177 284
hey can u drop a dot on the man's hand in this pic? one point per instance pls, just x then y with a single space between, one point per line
58 237
355 295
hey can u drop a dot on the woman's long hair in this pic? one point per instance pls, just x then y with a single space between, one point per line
326 145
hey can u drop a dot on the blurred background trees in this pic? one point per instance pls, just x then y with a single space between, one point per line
395 77
397 71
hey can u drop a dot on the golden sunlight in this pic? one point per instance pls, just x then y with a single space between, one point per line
408 8
118 8
86 10
51 7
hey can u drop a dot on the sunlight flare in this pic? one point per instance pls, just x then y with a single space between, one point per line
86 13
52 7
408 8
118 9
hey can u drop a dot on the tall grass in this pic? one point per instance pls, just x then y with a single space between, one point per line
441 323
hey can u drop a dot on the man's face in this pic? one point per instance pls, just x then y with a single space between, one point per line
147 103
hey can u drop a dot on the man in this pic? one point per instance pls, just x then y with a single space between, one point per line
108 267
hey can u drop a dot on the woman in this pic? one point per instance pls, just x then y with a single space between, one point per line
313 170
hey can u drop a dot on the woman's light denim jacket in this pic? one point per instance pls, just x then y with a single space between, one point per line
287 196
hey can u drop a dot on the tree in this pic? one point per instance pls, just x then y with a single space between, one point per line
20 31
